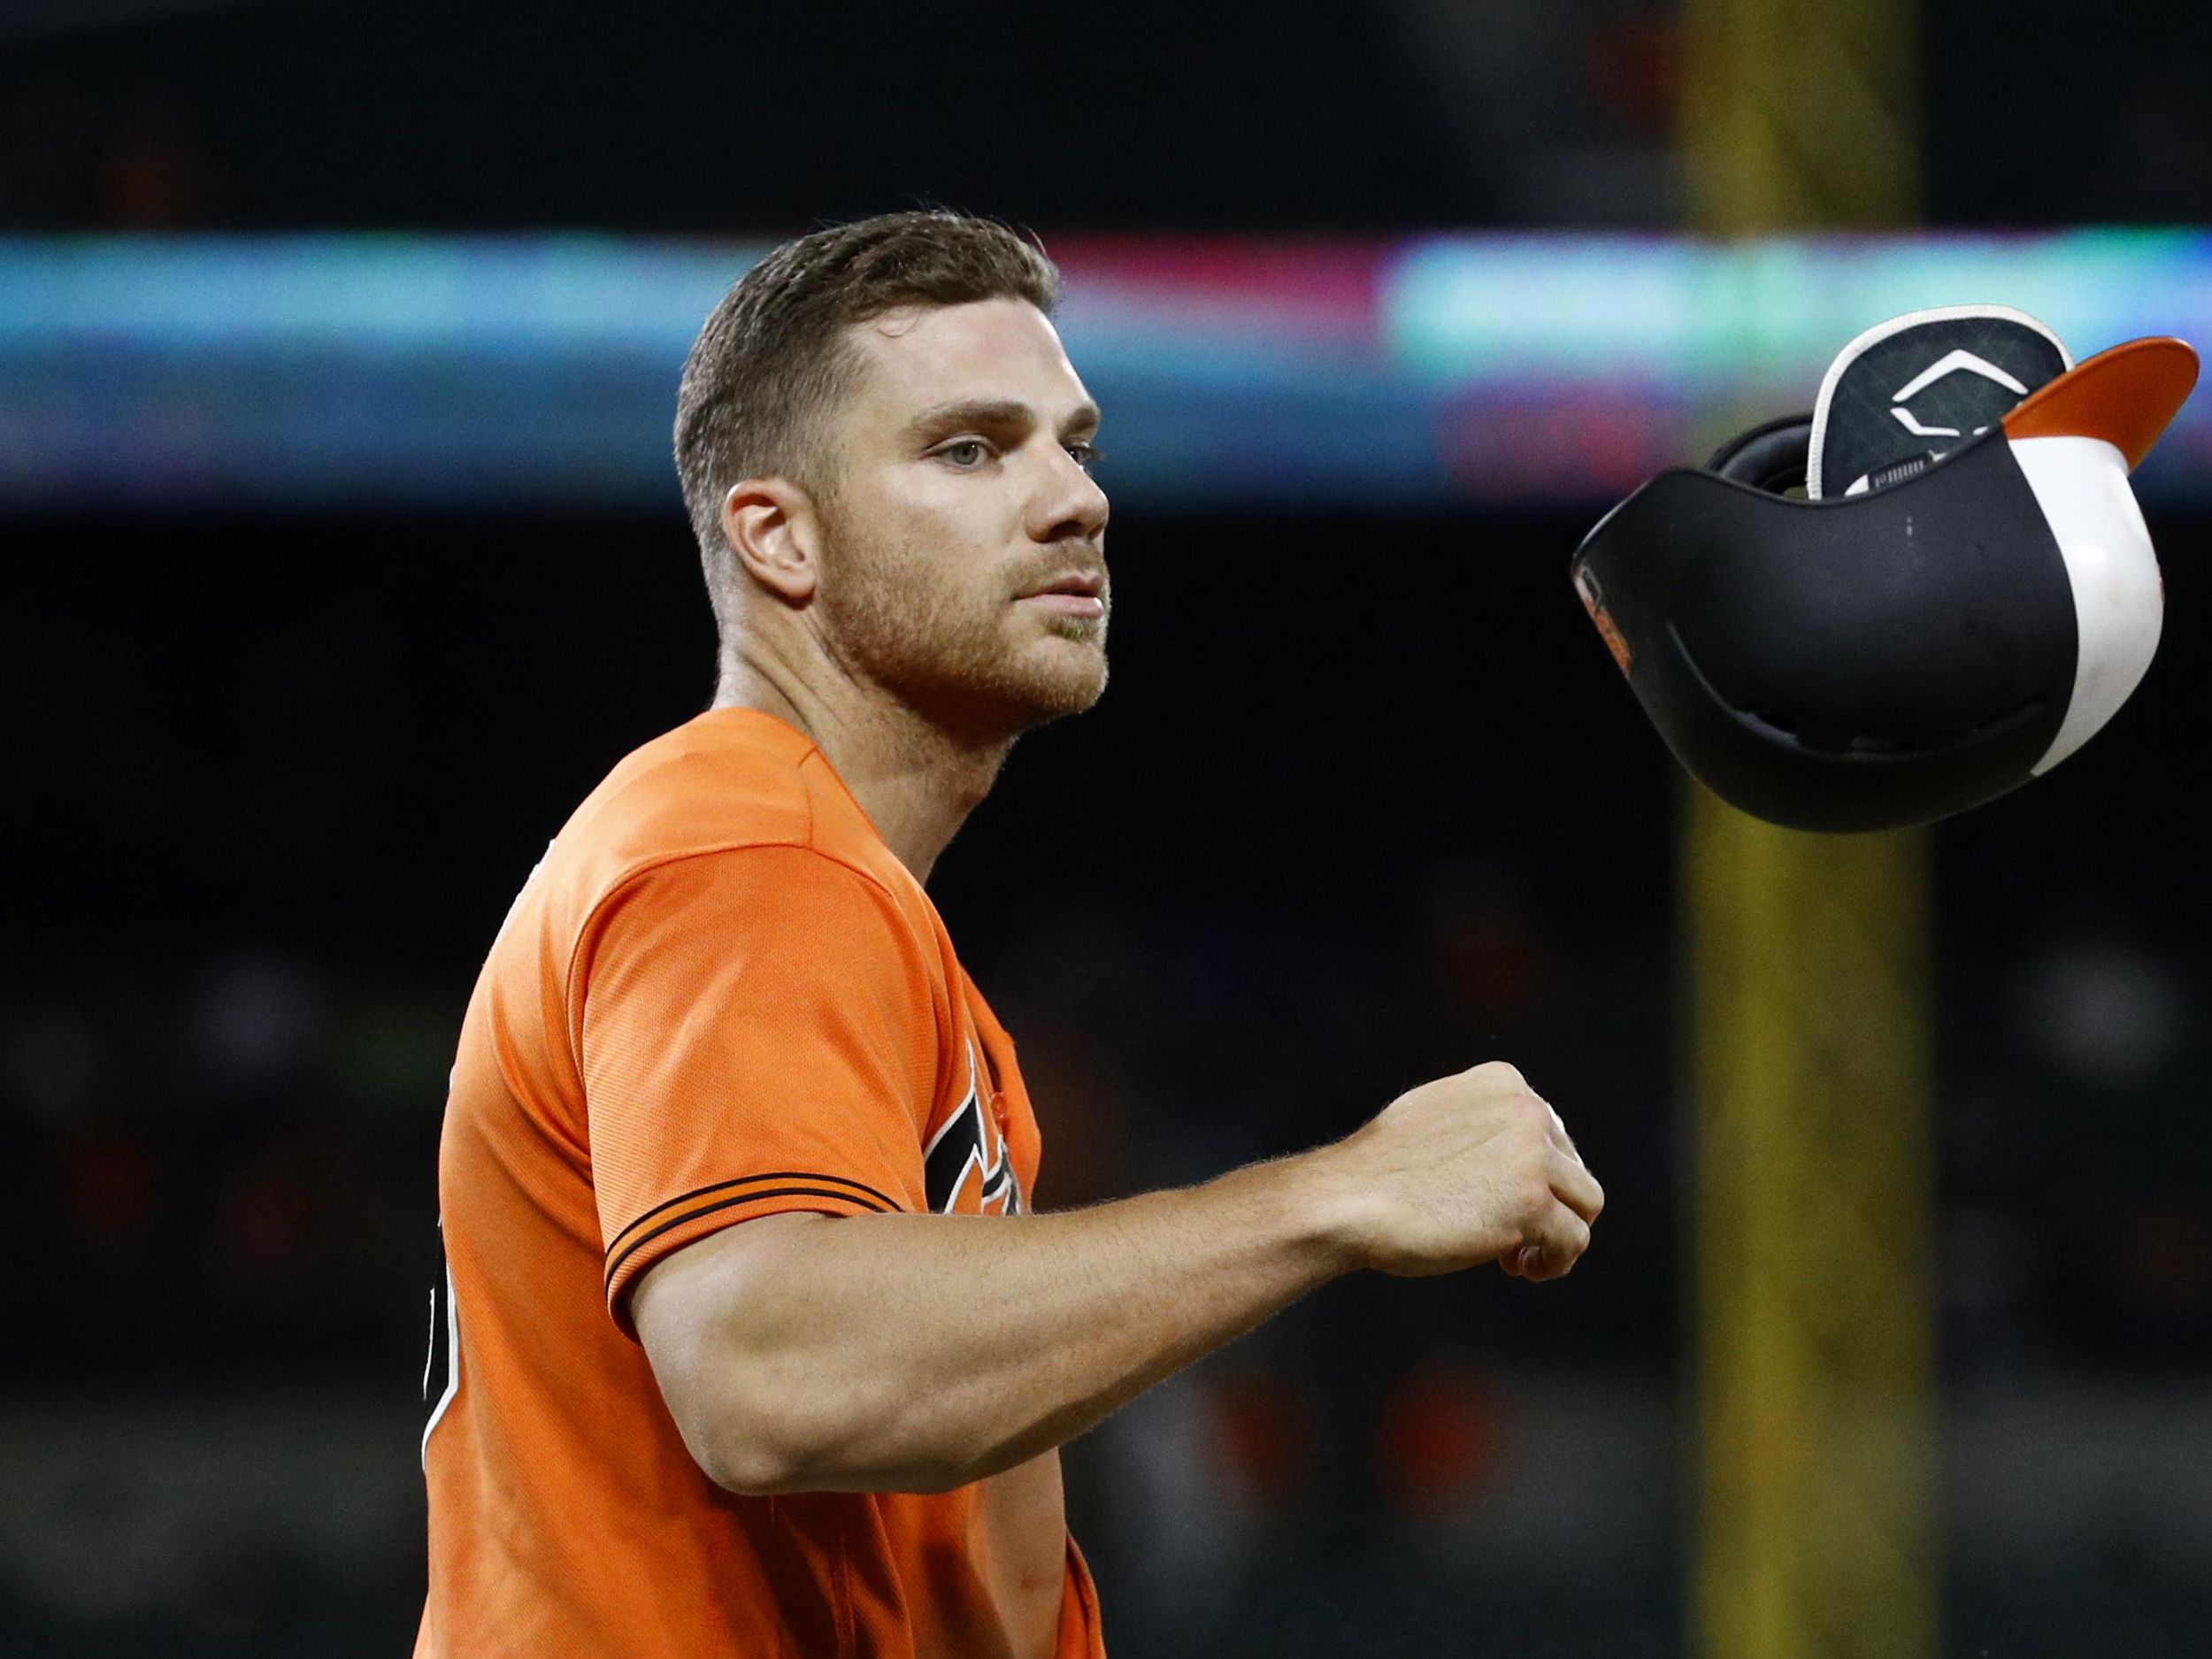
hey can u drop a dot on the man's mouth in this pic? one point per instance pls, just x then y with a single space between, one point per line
1073 593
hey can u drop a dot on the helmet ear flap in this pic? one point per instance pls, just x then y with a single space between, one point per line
1771 457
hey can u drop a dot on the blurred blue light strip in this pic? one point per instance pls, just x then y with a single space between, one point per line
417 374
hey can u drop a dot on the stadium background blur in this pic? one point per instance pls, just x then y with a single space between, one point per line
312 630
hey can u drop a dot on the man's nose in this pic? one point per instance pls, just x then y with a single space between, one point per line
1070 506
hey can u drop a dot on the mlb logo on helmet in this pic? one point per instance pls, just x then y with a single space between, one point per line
1965 595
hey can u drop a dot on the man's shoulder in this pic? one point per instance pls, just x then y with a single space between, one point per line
729 780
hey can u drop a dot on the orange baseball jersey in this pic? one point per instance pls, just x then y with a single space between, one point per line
719 996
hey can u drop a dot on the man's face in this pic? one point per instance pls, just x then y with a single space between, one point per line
964 563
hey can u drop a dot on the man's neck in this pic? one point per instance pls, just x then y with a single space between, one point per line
916 782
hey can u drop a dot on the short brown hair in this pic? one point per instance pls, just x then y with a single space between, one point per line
769 361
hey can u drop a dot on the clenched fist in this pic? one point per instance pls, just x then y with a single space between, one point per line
1469 1169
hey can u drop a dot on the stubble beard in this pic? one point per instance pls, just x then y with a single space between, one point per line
959 656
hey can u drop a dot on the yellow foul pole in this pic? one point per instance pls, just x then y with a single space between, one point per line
1814 1306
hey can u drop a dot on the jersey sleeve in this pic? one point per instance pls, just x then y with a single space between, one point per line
759 1035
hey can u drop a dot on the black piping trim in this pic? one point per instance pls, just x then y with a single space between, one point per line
670 1225
743 1180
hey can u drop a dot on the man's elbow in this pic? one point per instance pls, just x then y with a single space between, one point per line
748 1468
747 1473
813 1446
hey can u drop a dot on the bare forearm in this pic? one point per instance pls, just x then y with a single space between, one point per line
887 1352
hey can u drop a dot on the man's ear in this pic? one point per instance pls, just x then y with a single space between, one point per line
772 533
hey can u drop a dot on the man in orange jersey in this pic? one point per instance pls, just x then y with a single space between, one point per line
750 1342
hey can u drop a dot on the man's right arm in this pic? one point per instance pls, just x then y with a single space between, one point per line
918 1353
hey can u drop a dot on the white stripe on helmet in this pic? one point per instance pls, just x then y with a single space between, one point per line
2082 485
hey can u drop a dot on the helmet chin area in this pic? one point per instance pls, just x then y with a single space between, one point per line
2119 599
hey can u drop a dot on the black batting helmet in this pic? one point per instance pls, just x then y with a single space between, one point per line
1964 596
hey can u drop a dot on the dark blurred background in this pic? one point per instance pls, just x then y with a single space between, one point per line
1366 802
1405 115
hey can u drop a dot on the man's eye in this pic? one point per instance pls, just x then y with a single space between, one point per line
1087 454
966 453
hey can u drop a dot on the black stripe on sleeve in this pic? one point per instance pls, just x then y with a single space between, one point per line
745 1180
643 1239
